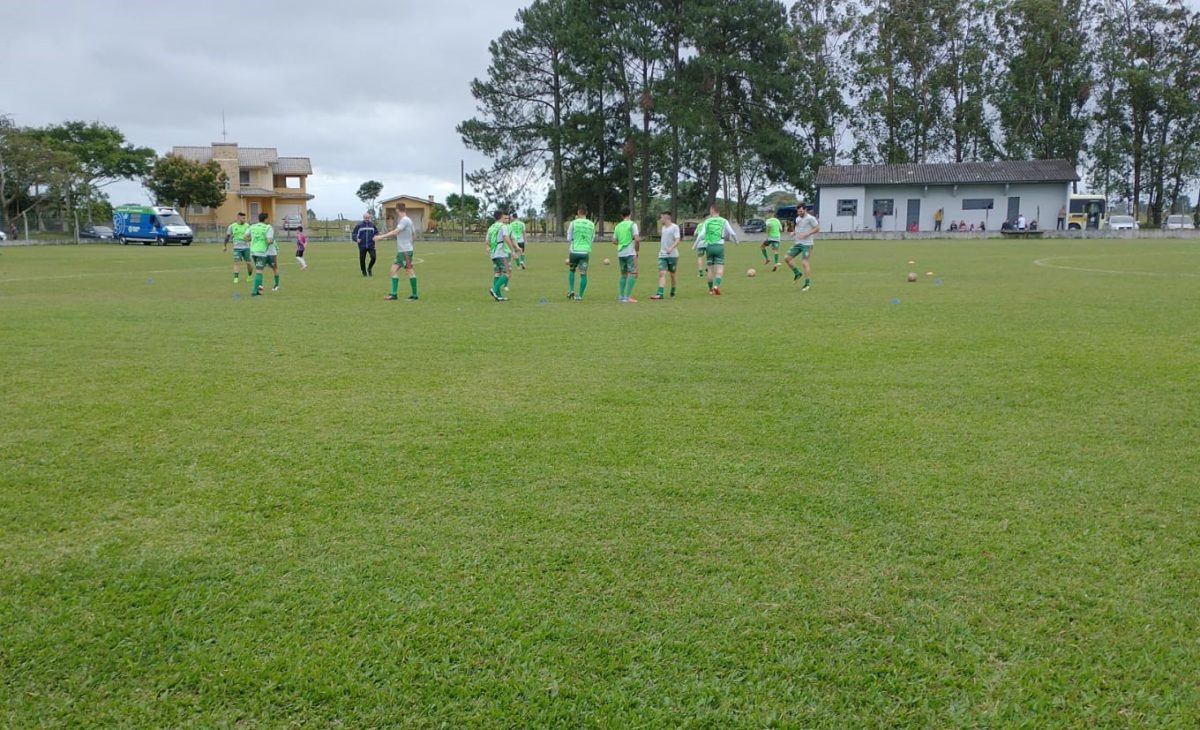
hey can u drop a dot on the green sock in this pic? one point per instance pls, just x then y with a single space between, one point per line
621 286
257 281
582 284
795 271
659 293
496 285
277 280
765 258
412 283
718 281
807 281
629 286
570 281
395 285
672 291
776 258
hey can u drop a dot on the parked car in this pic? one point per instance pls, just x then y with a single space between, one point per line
3 236
100 232
1179 223
291 222
1122 223
754 225
689 227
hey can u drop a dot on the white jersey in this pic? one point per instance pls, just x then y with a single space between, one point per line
804 225
700 244
404 235
669 248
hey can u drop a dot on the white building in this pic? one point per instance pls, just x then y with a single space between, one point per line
975 192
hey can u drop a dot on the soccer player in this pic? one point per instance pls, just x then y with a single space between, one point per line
403 233
628 241
364 235
261 236
807 227
699 247
499 245
668 253
516 229
774 231
236 232
301 244
581 233
715 230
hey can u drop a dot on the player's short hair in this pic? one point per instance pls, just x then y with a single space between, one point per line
401 207
262 217
667 213
300 228
499 214
241 214
581 210
625 212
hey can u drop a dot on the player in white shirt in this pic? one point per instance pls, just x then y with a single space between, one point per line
403 233
668 253
807 228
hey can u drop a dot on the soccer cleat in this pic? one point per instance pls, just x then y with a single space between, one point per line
502 299
391 297
492 293
806 287
717 290
656 297
570 295
413 298
631 300
796 277
775 267
275 288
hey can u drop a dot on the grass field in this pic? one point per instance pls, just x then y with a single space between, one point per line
976 507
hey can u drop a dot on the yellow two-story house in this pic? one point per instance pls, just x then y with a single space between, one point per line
260 181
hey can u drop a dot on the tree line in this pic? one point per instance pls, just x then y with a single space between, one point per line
676 102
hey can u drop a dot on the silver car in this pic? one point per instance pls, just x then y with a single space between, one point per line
1122 223
1179 223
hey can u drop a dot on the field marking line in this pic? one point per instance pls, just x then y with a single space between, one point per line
110 273
1044 263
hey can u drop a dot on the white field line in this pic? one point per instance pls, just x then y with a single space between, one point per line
1045 263
417 260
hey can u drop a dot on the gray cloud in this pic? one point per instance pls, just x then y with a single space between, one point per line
366 89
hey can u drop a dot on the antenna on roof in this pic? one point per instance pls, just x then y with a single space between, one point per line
224 136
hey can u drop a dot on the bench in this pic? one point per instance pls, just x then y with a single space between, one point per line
1022 234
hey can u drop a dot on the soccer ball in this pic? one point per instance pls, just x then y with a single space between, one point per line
566 262
912 276
607 262
751 273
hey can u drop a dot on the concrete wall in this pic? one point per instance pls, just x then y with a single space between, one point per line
1038 201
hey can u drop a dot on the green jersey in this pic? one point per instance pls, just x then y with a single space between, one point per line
774 229
262 237
581 232
517 229
237 234
714 230
497 248
624 234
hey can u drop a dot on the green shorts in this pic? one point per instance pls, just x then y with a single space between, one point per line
804 249
261 261
500 265
668 263
404 259
241 254
578 261
715 255
772 244
628 264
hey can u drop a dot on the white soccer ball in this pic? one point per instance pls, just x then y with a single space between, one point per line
751 273
607 262
912 276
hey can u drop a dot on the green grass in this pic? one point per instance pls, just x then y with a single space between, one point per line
975 508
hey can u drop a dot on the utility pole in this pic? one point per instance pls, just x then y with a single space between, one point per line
462 193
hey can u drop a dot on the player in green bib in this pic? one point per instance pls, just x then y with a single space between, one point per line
774 233
261 236
516 229
714 231
499 244
236 232
581 233
628 241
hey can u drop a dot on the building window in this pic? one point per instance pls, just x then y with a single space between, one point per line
197 210
244 178
847 207
291 182
977 203
885 206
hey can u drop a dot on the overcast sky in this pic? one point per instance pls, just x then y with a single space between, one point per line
368 90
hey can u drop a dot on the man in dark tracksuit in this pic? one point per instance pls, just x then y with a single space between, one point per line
364 236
